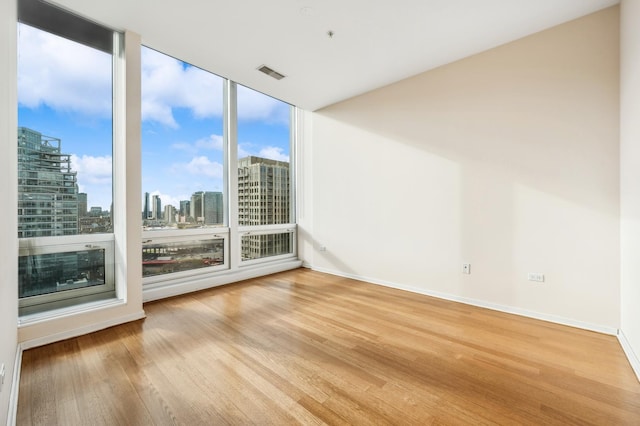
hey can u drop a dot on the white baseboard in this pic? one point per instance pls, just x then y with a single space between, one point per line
85 329
480 303
191 285
15 388
629 352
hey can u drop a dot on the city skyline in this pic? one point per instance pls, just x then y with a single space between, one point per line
152 204
64 91
202 207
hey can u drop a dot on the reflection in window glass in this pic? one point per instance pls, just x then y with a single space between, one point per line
50 273
263 159
182 144
260 246
165 258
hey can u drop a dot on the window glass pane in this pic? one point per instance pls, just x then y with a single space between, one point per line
164 258
263 159
182 144
64 136
54 272
259 246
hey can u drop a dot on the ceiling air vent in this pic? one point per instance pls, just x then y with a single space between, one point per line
268 71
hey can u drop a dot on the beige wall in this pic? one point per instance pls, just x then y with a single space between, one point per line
507 160
630 176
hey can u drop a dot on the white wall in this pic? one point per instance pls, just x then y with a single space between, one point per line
630 176
507 160
304 183
8 193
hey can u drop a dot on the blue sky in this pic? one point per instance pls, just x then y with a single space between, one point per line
64 91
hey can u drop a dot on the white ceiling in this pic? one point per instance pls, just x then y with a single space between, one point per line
375 42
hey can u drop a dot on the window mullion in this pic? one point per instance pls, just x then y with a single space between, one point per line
231 168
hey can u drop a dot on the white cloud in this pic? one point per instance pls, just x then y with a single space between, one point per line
273 153
200 166
155 110
270 152
168 84
212 142
94 178
215 142
62 74
69 76
255 106
166 199
244 150
92 170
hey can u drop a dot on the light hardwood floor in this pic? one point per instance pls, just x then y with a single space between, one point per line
303 347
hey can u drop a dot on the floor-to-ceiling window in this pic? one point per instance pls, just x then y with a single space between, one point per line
183 181
193 123
65 166
265 197
216 166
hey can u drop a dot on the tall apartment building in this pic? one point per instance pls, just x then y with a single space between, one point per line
47 187
264 199
185 210
206 207
213 208
156 207
47 207
146 212
82 204
195 206
170 214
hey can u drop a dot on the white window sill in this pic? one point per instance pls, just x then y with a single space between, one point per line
41 317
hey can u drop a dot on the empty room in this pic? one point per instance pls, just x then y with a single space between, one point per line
320 212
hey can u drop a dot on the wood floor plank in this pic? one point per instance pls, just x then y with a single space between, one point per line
302 347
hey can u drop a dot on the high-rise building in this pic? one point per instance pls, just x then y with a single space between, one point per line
213 208
146 212
196 206
47 207
264 199
206 207
263 191
82 204
185 210
156 207
170 214
47 187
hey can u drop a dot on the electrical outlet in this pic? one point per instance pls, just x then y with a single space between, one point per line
322 248
536 276
466 268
